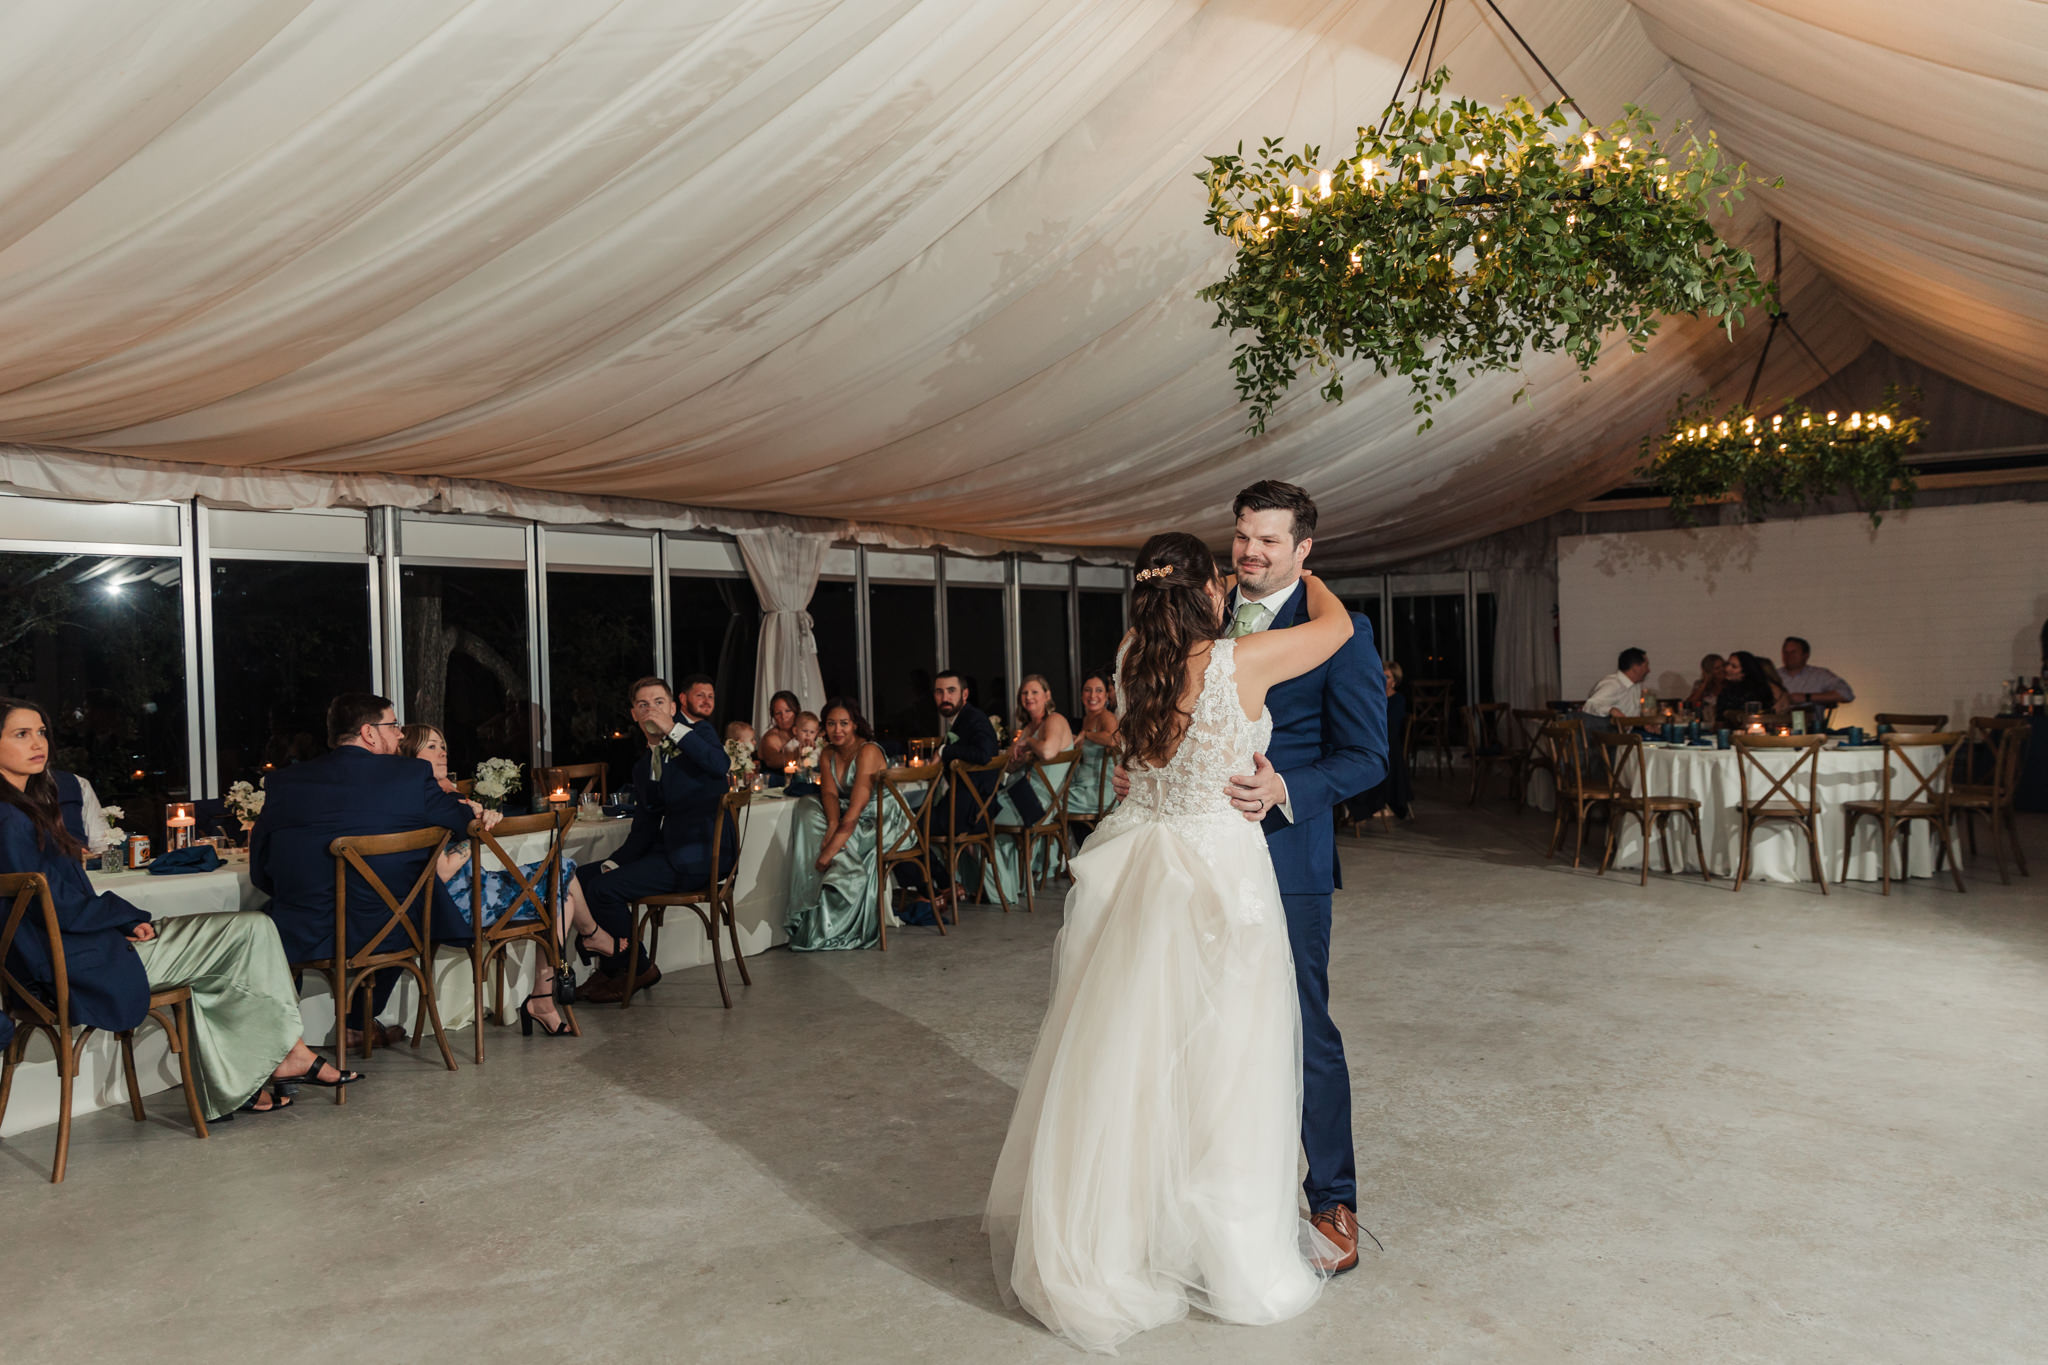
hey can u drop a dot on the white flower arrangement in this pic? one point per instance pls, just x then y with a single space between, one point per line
739 756
807 759
116 836
496 779
244 802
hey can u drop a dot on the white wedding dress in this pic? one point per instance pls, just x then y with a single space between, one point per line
1152 1161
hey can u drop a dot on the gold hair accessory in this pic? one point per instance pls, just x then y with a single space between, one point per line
1147 575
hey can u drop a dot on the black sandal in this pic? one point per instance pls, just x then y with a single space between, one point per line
585 952
312 1075
277 1102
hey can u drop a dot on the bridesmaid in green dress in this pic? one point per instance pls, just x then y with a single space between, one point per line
832 891
1090 796
1042 732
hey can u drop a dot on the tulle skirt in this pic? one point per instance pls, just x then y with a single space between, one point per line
1152 1162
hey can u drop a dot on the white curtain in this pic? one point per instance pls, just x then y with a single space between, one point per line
1525 672
785 565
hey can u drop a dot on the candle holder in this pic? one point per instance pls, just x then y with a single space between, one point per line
181 825
558 798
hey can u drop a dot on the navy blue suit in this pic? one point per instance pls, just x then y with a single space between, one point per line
1329 744
348 791
109 988
974 743
669 847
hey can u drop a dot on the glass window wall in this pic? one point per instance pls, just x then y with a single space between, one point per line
600 639
466 662
715 630
1042 633
835 624
1102 630
99 641
287 636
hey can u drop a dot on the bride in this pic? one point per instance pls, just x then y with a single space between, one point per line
1152 1161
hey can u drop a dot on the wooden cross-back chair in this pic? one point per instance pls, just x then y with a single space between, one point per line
48 1012
898 789
1527 728
577 779
1049 827
958 786
1630 795
541 896
1105 802
1429 720
1904 720
1625 723
407 927
712 904
1780 799
1927 799
1578 794
2007 738
466 787
1486 740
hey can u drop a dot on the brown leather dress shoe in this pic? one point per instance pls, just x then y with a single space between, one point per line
1339 1225
602 990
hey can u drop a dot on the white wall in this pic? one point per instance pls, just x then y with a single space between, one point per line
1927 612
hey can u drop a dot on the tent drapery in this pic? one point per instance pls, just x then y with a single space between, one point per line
1525 667
785 565
912 261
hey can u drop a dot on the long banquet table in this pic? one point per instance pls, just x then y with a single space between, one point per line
1711 777
762 900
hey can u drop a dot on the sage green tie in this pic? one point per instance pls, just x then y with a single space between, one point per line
1247 617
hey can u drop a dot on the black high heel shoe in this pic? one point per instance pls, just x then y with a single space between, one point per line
527 1021
588 954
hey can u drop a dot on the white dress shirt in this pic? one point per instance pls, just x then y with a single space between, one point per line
1809 680
1274 604
1616 692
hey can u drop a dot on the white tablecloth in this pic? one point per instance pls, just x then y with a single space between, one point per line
1710 777
763 896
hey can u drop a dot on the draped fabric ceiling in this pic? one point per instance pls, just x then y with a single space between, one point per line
928 262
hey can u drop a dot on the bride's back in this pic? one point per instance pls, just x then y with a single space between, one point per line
1216 742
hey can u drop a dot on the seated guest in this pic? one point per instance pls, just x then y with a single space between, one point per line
1620 693
1042 732
1395 792
458 924
1701 698
360 786
82 812
697 699
809 729
969 739
1746 682
778 746
678 782
246 1044
741 732
1090 793
833 899
1805 681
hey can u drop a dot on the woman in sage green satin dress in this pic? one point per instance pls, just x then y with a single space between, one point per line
832 892
1042 732
1090 795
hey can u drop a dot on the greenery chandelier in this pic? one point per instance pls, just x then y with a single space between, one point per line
1455 238
1793 458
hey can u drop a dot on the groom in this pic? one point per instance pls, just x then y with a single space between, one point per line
1329 744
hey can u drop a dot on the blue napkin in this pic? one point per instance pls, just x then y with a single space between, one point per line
198 858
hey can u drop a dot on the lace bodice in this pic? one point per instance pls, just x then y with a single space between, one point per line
1187 794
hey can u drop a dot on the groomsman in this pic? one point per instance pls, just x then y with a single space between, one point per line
678 781
361 786
972 739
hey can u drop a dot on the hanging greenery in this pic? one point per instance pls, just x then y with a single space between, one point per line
1455 238
1790 460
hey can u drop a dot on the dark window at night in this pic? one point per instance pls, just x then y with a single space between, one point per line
465 663
715 624
286 638
600 640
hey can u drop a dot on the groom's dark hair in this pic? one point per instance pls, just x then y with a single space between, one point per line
1269 495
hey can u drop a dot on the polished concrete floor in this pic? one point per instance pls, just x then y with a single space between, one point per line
1594 1122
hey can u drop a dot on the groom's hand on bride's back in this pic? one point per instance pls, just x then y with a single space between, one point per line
1121 780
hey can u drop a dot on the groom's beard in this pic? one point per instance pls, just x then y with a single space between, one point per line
1271 578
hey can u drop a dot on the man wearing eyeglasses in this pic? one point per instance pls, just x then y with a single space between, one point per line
360 787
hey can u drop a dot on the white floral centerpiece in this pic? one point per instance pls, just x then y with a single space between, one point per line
116 849
739 758
496 779
245 803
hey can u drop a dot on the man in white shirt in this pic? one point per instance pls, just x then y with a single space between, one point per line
1806 683
1620 693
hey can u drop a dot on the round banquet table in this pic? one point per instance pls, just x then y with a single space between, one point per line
1710 777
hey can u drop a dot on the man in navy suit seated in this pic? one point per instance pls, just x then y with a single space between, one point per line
360 787
678 783
971 739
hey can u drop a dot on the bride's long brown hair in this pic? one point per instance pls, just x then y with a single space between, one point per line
1170 614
